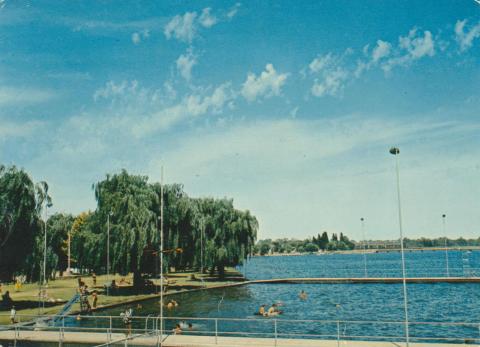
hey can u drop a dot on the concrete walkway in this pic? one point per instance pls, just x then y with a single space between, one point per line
93 339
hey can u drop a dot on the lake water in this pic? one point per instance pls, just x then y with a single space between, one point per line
437 302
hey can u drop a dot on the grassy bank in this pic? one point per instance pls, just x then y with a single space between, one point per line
61 290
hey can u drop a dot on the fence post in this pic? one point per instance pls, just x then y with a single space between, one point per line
479 333
216 331
338 333
109 335
275 325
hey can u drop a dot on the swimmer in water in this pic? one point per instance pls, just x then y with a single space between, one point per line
261 310
177 330
272 311
303 295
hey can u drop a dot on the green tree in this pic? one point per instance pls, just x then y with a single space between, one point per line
323 241
21 203
311 247
264 249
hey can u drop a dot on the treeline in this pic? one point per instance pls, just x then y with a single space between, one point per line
310 245
440 242
129 207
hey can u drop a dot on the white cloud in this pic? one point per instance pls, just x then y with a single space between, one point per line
189 108
139 36
185 28
182 28
331 76
320 62
381 50
21 96
233 11
465 37
267 84
185 63
206 19
2 4
412 47
332 83
112 90
136 38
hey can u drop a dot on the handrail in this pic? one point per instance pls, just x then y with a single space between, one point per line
325 321
275 328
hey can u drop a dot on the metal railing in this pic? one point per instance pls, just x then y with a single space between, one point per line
115 331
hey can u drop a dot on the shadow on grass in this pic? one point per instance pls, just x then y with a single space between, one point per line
27 304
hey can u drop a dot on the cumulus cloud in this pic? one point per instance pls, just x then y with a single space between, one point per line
185 63
182 28
185 28
112 90
190 107
137 37
412 47
330 75
320 63
465 37
381 50
206 19
332 83
268 83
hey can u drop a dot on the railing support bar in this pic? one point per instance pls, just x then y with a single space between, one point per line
216 331
338 333
275 325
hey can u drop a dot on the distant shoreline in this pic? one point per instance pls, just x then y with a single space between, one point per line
374 250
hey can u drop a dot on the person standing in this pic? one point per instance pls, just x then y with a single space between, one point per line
95 298
94 279
13 315
127 320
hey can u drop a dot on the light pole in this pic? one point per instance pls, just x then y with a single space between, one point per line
161 258
362 220
446 248
45 249
69 271
395 151
44 291
108 251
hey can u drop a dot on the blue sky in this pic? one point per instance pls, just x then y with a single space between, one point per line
287 107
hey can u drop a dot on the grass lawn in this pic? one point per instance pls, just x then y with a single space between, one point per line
64 288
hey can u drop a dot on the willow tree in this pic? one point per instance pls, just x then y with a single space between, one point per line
127 202
229 234
21 203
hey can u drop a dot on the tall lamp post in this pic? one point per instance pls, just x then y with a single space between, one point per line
69 271
44 291
362 221
446 248
395 151
161 258
108 251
